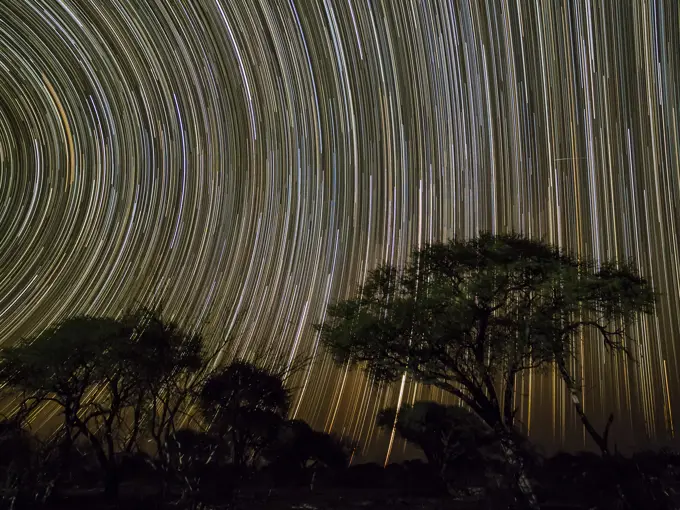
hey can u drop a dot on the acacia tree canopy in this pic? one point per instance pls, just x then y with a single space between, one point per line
467 316
447 435
245 405
107 376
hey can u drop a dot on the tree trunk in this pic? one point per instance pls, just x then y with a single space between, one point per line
600 440
66 446
65 449
527 498
504 433
108 465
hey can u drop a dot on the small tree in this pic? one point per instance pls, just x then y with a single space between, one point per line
452 438
300 449
468 316
172 366
244 405
196 461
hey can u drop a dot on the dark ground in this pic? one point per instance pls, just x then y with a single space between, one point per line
288 499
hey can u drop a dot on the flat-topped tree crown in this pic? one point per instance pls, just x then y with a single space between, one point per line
109 378
466 315
64 359
245 405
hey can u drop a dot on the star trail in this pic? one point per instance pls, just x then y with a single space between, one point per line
244 163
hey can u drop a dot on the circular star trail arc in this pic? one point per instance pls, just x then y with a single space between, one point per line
245 163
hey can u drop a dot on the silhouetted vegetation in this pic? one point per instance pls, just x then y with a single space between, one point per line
133 414
245 407
454 440
299 451
469 316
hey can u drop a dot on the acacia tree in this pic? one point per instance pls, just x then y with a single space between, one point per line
245 406
110 378
172 365
79 366
449 436
467 316
299 447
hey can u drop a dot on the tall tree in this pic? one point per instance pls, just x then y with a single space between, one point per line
469 315
171 367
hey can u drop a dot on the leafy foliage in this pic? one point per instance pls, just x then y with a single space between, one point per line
245 405
449 436
468 314
299 447
108 377
81 366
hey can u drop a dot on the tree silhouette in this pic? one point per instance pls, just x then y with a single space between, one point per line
468 316
172 367
299 450
245 406
196 461
79 365
453 439
109 378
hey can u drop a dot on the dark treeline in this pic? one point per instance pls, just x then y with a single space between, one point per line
136 399
139 415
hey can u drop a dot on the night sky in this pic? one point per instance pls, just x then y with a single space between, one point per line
246 162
